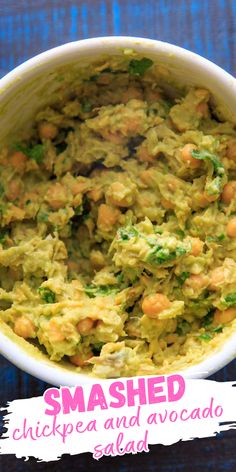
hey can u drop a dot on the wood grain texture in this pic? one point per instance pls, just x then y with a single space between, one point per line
208 27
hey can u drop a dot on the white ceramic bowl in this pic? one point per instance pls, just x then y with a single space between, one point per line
28 88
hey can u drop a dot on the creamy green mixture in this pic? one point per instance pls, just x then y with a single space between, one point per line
118 224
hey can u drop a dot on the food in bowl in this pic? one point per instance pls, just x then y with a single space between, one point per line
118 223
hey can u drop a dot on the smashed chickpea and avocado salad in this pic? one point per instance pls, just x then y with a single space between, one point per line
118 225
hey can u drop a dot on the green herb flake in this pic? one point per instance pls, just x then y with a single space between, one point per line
139 66
182 277
207 320
180 233
103 290
42 217
212 158
47 295
36 152
78 210
86 106
127 233
205 337
120 278
219 238
218 329
229 300
160 254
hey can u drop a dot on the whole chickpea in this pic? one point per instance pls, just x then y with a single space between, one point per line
231 228
229 192
47 130
84 326
187 156
152 305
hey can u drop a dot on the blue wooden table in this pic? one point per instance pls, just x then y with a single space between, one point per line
207 27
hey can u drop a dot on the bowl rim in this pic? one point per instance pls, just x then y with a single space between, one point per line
8 348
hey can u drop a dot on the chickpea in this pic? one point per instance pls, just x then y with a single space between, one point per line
79 187
152 305
18 160
152 95
224 316
229 192
115 138
167 204
24 327
231 228
143 154
54 331
16 214
57 196
120 195
97 259
95 194
187 156
197 246
146 176
107 217
13 190
131 93
203 94
80 360
171 338
47 130
216 278
203 109
231 151
73 266
84 326
197 281
205 199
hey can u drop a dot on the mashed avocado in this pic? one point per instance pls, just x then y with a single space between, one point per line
118 224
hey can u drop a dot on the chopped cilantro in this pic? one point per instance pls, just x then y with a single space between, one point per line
78 210
182 277
219 238
127 233
218 329
47 295
207 320
36 152
206 155
120 278
230 300
42 217
205 337
159 254
180 233
215 186
103 290
139 66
